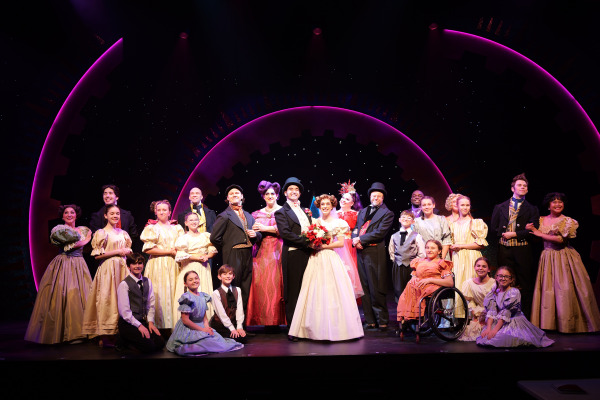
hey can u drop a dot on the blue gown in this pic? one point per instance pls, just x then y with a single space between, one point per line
189 342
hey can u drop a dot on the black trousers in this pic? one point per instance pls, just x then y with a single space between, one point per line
400 277
130 335
371 270
296 261
521 260
241 262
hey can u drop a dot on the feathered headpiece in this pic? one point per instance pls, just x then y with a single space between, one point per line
347 188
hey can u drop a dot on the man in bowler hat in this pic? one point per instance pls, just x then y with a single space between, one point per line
372 226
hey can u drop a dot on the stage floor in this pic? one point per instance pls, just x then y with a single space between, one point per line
270 366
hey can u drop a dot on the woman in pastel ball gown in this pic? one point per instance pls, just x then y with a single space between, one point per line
349 207
58 311
506 325
265 303
192 336
159 238
563 298
430 274
194 250
452 207
110 245
475 289
468 237
326 307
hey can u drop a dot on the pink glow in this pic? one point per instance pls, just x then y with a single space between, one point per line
51 163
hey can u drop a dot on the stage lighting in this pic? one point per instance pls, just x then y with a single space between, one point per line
317 31
183 35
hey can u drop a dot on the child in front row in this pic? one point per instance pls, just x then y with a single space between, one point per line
405 245
229 311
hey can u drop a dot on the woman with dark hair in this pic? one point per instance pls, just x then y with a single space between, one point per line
563 298
159 238
349 208
265 303
58 311
110 245
326 307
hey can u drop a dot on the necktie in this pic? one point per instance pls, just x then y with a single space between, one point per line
141 285
230 299
402 237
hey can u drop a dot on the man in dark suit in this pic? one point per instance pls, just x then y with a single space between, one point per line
206 215
292 220
509 221
232 235
372 226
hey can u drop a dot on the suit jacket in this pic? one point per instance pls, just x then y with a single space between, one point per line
209 214
527 213
97 221
378 228
228 231
289 227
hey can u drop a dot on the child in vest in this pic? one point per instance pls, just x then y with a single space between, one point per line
229 311
405 245
135 300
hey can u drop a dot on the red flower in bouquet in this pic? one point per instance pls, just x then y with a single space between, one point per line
317 235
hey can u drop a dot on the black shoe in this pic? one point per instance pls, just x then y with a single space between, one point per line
292 338
370 327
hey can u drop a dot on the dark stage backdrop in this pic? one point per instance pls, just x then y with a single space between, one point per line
193 73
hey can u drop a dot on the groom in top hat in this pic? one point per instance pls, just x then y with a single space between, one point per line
292 220
232 235
372 226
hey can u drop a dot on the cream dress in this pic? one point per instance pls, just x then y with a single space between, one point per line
101 313
326 308
477 294
464 260
162 270
186 246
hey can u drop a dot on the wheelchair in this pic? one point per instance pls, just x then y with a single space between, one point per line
446 314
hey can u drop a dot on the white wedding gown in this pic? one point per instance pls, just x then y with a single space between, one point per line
326 308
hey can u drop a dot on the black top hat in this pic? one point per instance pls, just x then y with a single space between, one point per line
293 181
234 186
377 187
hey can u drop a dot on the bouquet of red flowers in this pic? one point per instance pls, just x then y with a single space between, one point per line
317 235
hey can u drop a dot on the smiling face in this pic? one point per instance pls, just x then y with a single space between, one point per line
270 197
432 251
427 207
163 212
109 196
406 221
520 189
234 197
226 278
504 278
195 196
482 269
346 201
292 193
464 207
192 222
192 281
416 197
69 216
113 215
325 207
376 198
136 269
556 206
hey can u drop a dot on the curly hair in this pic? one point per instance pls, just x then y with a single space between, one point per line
331 198
157 202
550 197
451 197
75 207
263 186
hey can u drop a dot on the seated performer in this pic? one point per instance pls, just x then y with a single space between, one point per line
135 298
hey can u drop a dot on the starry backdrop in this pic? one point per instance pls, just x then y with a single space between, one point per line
197 70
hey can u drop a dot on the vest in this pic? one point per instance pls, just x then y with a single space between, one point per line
229 311
405 253
137 299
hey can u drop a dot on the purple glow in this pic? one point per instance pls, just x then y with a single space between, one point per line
281 126
42 207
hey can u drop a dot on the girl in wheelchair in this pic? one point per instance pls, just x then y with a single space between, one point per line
506 325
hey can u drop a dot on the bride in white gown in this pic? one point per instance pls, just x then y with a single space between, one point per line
326 308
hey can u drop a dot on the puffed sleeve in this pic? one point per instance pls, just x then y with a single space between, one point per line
510 305
445 268
479 231
489 303
186 303
128 241
63 235
150 237
446 234
341 228
99 242
207 244
568 228
181 245
206 296
179 229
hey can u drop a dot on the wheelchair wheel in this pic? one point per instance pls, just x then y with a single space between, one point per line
448 313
